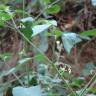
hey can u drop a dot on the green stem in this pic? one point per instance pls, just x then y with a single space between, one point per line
23 7
89 84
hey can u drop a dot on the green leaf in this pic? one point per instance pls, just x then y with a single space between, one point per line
55 32
40 57
77 82
89 33
4 17
26 29
53 9
37 29
39 35
5 14
24 60
26 24
23 91
58 33
69 40
27 19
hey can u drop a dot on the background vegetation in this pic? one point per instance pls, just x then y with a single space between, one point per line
48 48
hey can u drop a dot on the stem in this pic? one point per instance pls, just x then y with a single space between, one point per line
27 67
93 79
23 7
